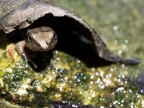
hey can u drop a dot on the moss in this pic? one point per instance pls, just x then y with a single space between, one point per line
67 78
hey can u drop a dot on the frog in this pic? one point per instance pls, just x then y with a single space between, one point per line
75 36
36 39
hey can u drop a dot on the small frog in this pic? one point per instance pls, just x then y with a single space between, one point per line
75 37
37 39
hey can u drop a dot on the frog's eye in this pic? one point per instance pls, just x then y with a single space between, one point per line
29 38
47 42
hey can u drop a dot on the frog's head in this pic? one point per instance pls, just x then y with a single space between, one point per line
41 39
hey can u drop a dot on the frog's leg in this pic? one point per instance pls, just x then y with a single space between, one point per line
20 48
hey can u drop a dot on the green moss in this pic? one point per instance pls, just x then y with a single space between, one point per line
67 78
